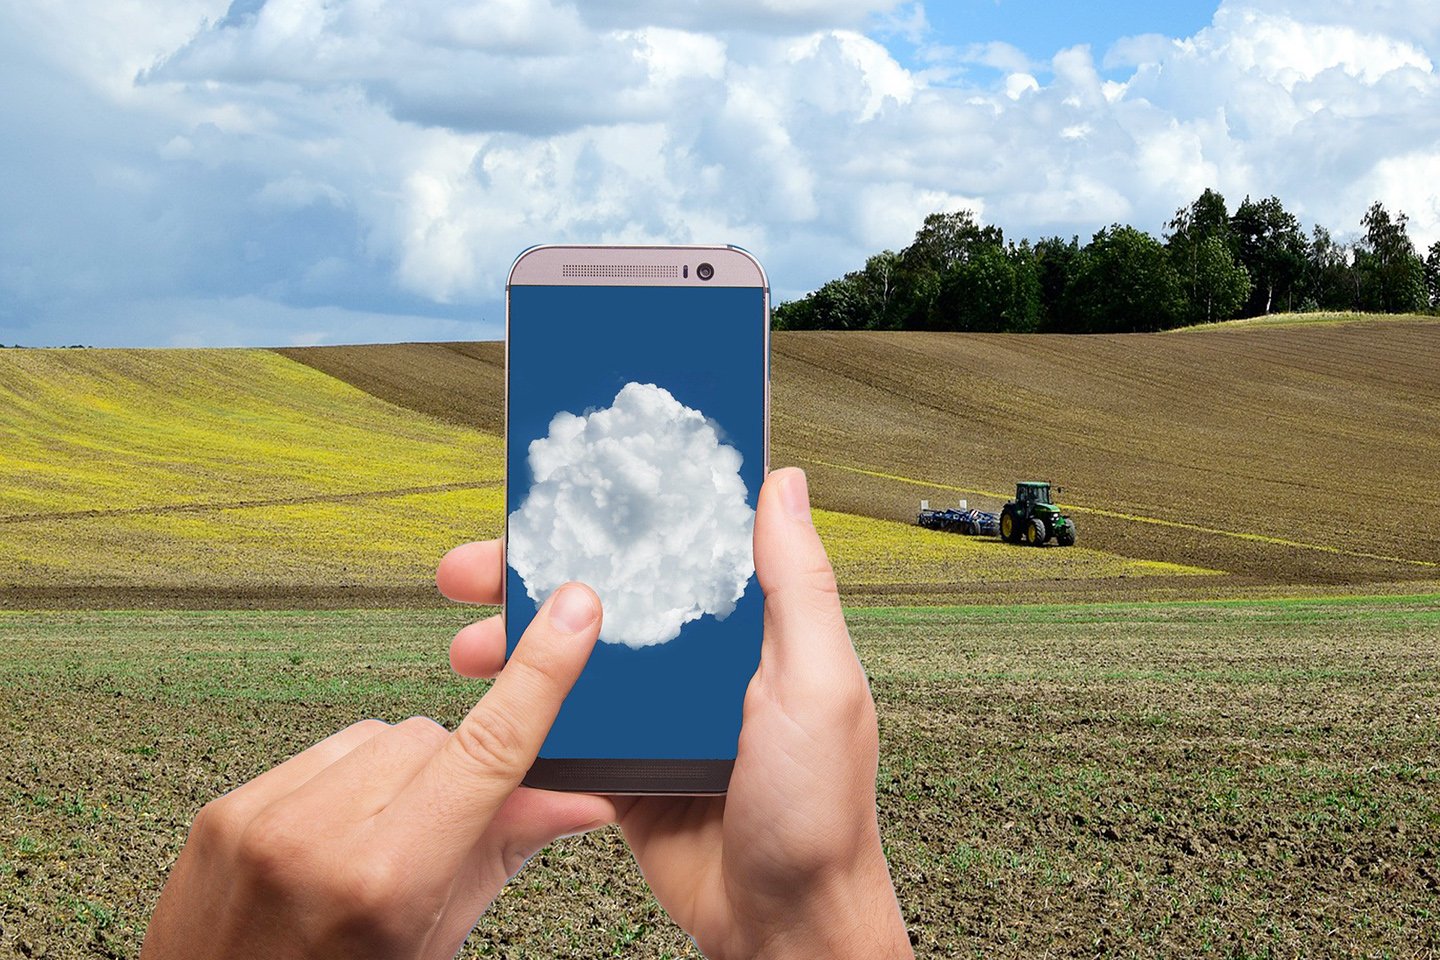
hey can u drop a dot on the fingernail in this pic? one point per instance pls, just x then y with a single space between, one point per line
795 494
572 609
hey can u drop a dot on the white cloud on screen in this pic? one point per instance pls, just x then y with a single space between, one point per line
643 501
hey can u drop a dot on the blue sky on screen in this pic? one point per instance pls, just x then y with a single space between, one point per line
297 171
628 703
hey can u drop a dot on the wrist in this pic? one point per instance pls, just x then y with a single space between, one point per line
843 914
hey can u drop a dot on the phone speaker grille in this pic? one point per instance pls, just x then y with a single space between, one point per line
644 270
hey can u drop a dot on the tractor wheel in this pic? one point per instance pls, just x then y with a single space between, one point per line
1035 533
1008 533
1066 537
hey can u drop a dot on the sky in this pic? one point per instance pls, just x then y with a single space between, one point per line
274 172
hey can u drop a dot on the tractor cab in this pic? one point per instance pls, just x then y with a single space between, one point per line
1031 492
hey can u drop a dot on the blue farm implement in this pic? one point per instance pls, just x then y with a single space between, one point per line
975 523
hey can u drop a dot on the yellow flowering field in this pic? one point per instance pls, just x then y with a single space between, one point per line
395 541
117 429
383 542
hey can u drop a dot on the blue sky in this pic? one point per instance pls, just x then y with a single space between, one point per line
1038 28
187 172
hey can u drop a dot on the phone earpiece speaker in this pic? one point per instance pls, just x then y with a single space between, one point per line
648 270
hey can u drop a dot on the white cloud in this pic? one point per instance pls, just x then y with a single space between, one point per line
394 155
1312 103
1004 57
677 55
1288 51
908 22
774 17
1019 84
296 192
643 501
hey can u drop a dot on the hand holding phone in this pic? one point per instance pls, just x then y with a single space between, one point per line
789 863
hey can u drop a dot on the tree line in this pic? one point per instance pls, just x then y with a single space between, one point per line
1209 265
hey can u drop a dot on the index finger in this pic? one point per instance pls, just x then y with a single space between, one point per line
449 803
471 572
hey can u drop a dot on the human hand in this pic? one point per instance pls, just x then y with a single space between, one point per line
385 841
789 863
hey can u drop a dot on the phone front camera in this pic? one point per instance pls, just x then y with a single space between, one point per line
705 271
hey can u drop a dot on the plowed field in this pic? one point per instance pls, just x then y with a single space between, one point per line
1288 459
1211 777
460 382
1293 456
1283 455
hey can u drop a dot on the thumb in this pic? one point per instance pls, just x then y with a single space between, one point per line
530 819
806 641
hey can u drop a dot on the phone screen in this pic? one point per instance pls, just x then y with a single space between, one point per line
636 445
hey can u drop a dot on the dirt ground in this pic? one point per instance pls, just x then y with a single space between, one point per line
1237 779
1275 454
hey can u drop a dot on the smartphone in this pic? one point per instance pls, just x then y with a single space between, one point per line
637 434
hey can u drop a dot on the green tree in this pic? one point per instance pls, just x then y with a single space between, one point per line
1271 247
1215 287
993 289
882 280
1331 282
1392 275
1205 217
796 314
1200 244
1124 281
1432 275
837 305
1054 261
942 242
946 239
860 300
1220 286
914 302
1024 314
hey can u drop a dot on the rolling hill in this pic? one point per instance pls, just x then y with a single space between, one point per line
1272 451
243 477
182 476
1274 459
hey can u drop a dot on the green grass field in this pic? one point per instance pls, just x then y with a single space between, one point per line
1228 779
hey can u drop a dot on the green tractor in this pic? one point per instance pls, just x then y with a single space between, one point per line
1033 518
